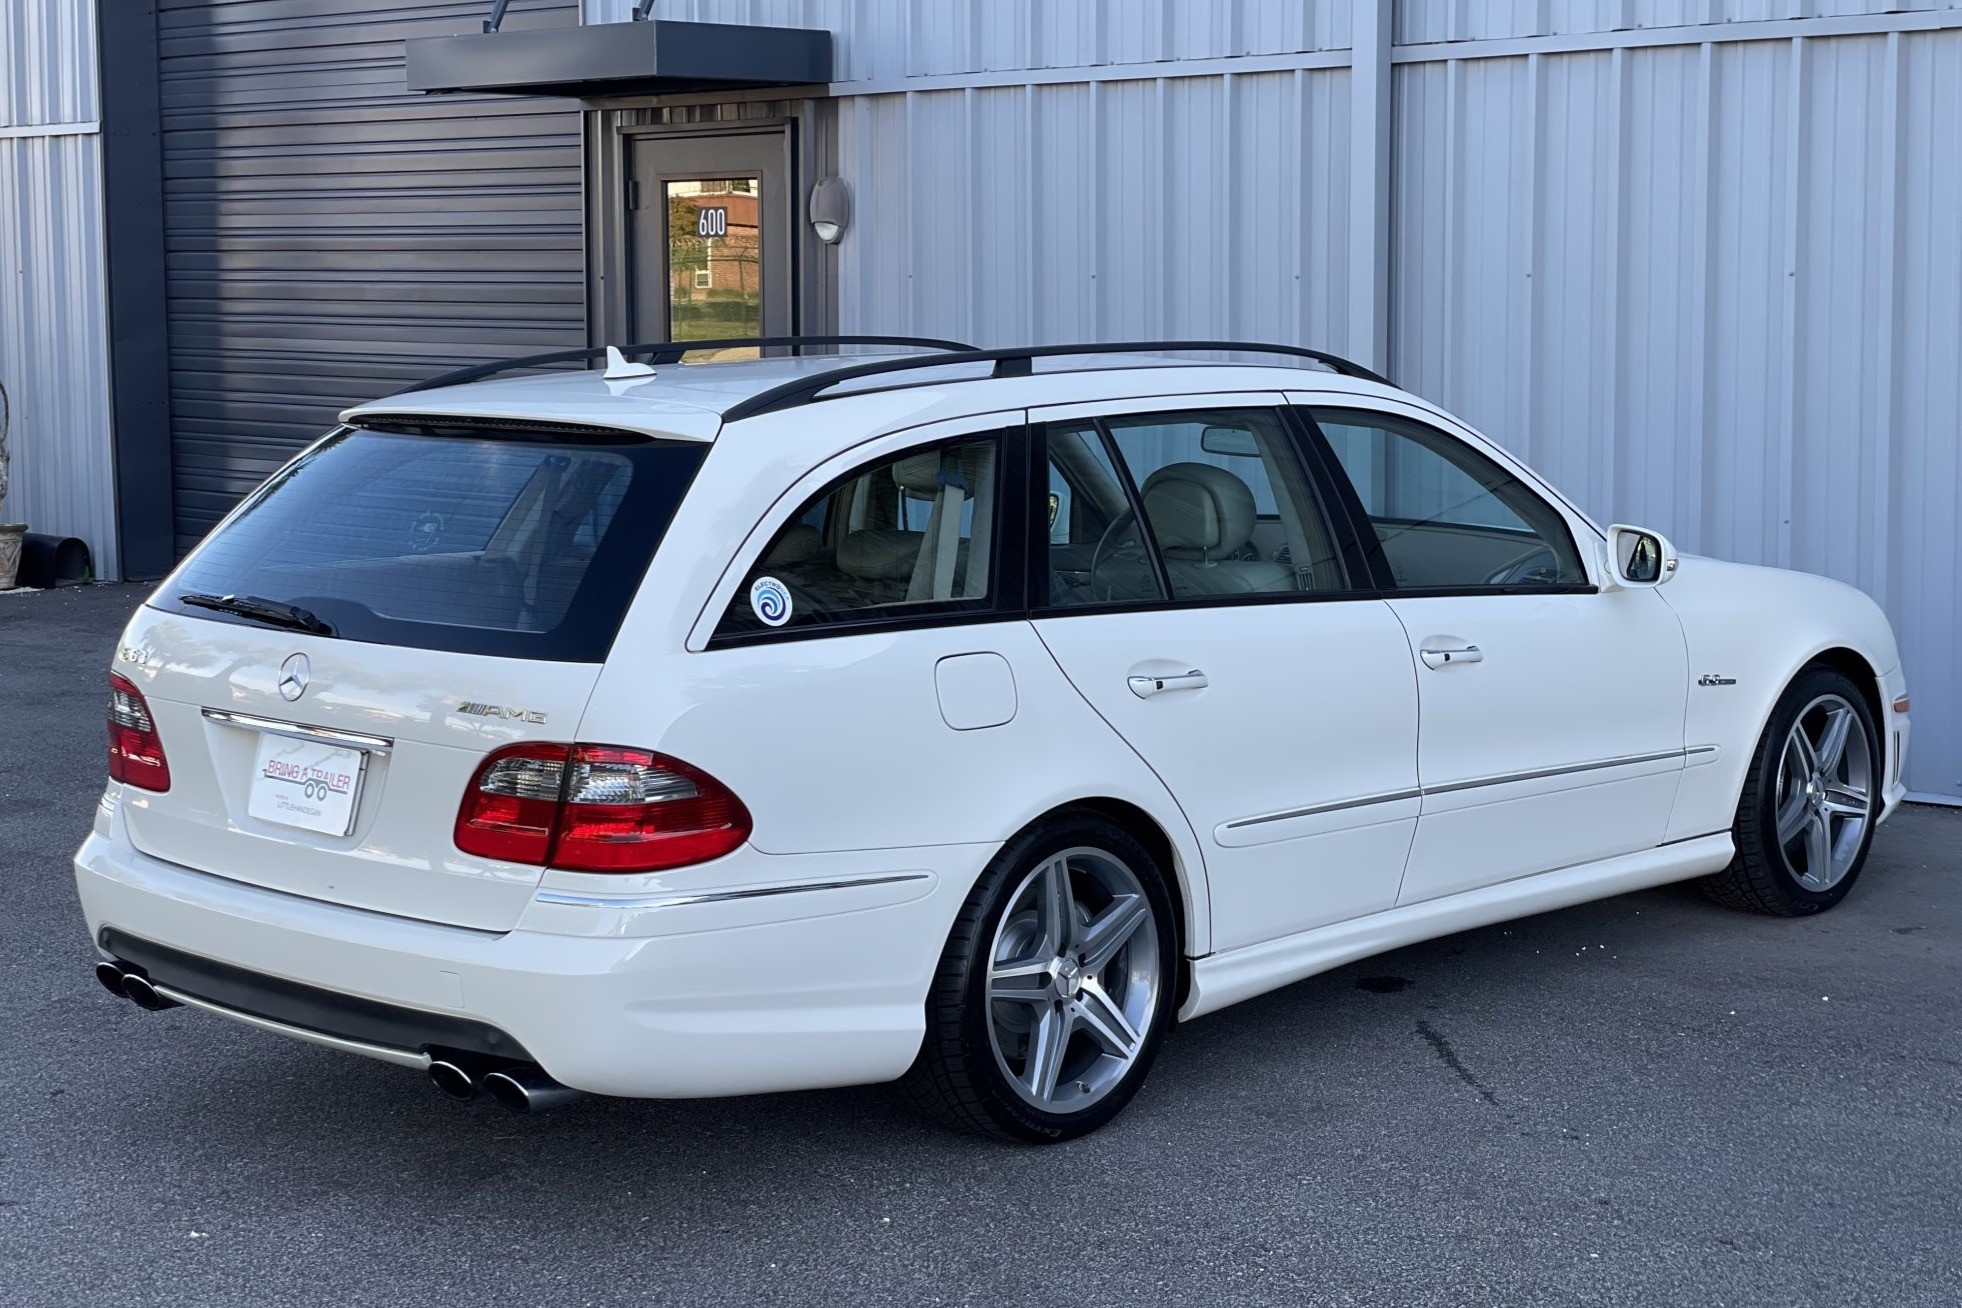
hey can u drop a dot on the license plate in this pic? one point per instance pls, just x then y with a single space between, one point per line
306 784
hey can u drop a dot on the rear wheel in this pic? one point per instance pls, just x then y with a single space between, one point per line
1807 813
1054 990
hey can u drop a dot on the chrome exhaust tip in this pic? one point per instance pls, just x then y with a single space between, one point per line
452 1079
138 990
111 977
527 1090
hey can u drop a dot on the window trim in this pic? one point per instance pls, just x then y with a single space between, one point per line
1008 578
1355 572
1370 545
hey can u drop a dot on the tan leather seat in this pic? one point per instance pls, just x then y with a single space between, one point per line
1201 515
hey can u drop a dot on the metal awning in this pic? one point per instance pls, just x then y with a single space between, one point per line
648 57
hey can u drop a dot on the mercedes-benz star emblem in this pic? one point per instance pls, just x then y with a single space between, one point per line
294 675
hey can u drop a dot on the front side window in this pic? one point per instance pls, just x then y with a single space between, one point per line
907 537
1225 510
1445 516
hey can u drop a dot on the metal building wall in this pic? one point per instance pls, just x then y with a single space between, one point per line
332 237
1715 288
54 358
882 41
1699 260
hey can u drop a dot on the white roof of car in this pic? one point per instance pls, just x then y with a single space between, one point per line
687 401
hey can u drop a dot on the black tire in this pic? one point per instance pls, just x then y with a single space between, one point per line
1762 878
957 1079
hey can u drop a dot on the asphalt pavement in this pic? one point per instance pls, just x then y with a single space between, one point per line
1644 1101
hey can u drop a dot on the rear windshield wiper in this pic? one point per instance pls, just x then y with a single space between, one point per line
272 612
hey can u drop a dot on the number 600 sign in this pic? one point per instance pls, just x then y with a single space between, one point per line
711 222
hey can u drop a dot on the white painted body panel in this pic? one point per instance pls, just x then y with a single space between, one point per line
1588 687
1308 707
885 768
1760 626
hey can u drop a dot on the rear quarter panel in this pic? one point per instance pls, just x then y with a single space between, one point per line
1760 626
838 742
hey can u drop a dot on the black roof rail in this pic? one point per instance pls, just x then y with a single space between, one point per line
666 352
1018 363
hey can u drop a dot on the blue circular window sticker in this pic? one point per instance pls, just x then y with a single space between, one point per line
770 601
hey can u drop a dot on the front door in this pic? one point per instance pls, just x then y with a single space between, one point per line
1552 712
711 236
1197 598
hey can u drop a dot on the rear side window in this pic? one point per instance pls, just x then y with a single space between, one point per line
905 538
492 545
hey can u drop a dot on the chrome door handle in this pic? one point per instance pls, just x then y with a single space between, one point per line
1146 687
1437 658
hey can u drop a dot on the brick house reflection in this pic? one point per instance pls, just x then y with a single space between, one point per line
714 248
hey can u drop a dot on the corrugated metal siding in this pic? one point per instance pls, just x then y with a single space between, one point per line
332 237
1424 21
1082 211
47 48
54 357
884 40
54 344
1716 289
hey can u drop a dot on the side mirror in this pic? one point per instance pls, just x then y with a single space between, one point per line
1638 557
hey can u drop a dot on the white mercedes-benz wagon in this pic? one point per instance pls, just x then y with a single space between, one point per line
952 716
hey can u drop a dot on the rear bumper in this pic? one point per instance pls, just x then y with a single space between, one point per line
789 989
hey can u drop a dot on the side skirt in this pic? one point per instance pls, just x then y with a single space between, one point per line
1238 974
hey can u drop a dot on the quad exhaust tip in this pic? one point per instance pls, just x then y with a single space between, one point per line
527 1089
453 1079
131 985
522 1088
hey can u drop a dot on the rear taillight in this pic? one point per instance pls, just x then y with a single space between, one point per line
597 808
136 752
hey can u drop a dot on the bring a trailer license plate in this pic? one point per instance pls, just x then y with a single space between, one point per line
306 784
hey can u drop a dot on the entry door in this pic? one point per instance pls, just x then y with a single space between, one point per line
711 236
1227 645
1552 714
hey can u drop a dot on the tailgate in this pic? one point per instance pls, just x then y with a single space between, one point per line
342 786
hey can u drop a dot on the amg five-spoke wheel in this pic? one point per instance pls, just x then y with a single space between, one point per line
1825 792
1807 813
1073 980
1053 992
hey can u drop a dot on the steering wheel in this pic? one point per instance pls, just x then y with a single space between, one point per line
1104 547
1538 565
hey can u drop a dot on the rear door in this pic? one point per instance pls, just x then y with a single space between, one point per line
472 584
1552 712
1195 595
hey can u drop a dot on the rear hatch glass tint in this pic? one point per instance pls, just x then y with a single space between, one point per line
502 544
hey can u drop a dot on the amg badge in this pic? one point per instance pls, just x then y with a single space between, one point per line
479 710
1712 679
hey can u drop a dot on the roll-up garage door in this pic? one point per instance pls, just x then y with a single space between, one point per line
332 237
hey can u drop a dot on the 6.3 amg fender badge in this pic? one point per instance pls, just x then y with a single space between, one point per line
478 709
1712 679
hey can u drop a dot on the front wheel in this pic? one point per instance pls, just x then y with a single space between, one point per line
1807 813
1055 988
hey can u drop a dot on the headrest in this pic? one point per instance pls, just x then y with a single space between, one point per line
880 554
920 474
1198 511
799 544
972 465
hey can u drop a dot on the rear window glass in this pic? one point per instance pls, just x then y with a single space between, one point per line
496 545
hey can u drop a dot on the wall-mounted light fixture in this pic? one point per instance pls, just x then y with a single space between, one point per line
831 209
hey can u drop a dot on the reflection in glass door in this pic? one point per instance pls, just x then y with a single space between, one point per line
715 266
